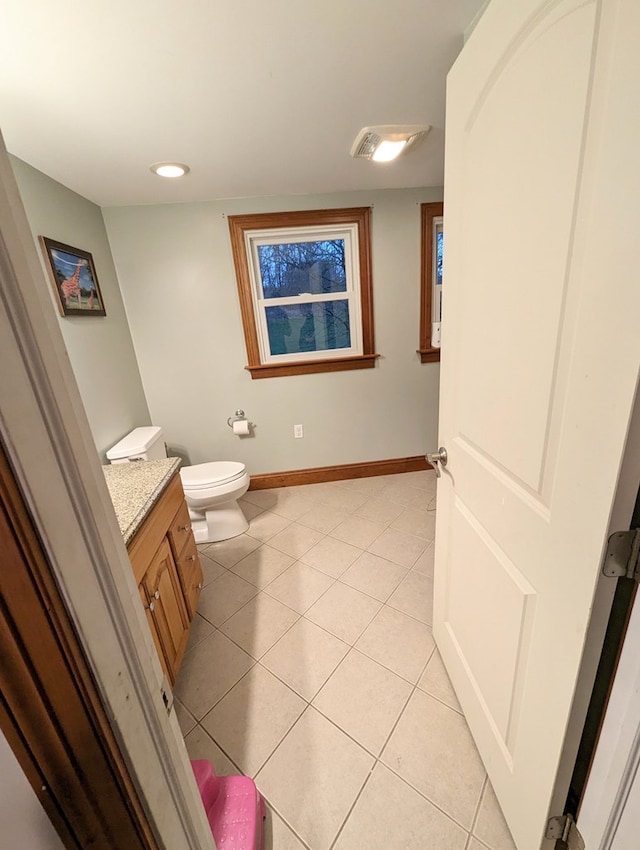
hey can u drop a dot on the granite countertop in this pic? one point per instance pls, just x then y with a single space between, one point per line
135 487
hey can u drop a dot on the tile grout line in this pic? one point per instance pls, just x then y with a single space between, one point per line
350 644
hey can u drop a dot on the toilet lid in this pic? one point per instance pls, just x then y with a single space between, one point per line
203 475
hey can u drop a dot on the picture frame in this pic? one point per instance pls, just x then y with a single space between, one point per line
73 278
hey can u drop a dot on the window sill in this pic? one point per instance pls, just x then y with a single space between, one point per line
429 355
339 364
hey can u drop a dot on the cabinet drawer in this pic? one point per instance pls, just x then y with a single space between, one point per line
180 530
191 578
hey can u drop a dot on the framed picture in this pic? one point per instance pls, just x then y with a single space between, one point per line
74 279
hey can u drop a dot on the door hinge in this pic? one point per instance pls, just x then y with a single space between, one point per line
622 558
564 829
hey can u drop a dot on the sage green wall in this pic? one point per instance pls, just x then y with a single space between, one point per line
100 348
176 273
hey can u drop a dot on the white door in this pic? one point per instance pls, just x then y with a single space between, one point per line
540 358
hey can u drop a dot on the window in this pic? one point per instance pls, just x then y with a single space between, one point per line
432 241
304 281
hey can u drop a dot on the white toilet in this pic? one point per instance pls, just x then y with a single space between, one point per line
211 489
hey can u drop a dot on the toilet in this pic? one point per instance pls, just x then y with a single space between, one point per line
211 490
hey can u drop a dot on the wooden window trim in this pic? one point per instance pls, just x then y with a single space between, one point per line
427 352
240 224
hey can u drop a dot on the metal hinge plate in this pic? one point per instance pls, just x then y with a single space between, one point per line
622 557
564 829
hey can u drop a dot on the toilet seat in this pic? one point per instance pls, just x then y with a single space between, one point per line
212 474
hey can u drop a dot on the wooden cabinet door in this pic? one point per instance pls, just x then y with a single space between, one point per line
190 573
169 614
149 608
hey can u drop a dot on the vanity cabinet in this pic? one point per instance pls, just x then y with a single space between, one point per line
168 573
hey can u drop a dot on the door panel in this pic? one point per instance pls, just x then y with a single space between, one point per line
499 594
520 143
539 368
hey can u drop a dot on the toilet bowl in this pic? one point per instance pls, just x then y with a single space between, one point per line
212 491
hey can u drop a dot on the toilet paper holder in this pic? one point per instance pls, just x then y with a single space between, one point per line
238 416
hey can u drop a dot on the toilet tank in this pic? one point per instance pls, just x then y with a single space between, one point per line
140 444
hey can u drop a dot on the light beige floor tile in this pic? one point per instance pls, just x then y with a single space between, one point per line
424 564
414 596
313 778
211 570
344 611
424 479
249 510
200 629
277 835
266 525
436 682
223 597
380 510
474 844
305 657
262 566
252 719
432 748
331 556
186 721
299 586
200 746
322 518
390 814
399 547
419 523
398 642
358 531
422 501
292 503
259 624
364 699
490 826
265 499
371 486
341 498
400 490
229 552
296 539
208 671
375 576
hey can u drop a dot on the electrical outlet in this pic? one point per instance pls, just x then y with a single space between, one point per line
298 432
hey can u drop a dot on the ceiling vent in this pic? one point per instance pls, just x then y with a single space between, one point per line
387 141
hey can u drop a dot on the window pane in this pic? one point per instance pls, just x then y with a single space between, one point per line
439 249
300 268
319 326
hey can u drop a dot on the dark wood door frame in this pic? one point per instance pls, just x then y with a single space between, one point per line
50 709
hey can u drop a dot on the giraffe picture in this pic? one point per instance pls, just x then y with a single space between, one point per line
74 280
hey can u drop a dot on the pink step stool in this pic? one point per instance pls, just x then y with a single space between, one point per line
234 808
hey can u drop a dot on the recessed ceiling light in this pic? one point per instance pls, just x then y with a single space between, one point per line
386 142
170 169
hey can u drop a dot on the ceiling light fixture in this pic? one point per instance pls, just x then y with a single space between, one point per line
387 141
170 169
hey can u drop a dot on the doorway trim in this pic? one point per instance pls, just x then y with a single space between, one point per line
49 446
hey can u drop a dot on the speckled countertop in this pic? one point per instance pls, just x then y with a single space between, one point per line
134 489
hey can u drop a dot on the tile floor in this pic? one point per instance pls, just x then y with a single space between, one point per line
311 668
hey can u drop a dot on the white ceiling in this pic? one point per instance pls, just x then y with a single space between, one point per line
259 97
